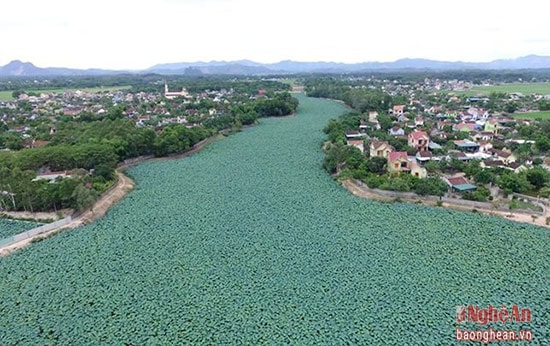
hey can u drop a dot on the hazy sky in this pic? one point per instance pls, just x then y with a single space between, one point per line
126 34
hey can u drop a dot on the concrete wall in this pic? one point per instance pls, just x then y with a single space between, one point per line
35 231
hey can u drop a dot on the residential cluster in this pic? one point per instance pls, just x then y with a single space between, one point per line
416 137
30 120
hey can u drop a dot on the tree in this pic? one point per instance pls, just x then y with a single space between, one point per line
353 157
334 159
538 177
514 182
430 186
542 142
83 197
431 166
484 176
376 165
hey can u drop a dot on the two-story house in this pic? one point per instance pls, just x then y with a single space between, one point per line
380 148
419 140
398 162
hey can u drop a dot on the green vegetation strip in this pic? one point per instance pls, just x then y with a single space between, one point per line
523 88
533 115
250 242
6 95
10 227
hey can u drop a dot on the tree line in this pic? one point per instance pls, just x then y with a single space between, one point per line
91 149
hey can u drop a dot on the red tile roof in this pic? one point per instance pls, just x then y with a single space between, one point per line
457 181
397 155
416 135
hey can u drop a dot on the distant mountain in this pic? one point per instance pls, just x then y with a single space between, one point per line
247 67
242 67
289 66
18 68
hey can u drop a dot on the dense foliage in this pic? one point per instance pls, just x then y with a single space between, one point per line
251 242
93 144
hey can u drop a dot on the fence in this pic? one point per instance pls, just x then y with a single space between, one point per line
34 232
541 202
449 200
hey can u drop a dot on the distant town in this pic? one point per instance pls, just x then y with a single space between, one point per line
478 138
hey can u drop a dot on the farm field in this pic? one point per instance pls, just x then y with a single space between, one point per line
6 95
523 88
10 227
250 242
533 115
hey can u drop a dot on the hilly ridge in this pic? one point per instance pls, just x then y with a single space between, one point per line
18 68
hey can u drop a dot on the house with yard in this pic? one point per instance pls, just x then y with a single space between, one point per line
419 140
417 170
505 156
358 143
380 148
398 162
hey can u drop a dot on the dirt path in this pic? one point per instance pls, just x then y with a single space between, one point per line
359 191
117 192
107 200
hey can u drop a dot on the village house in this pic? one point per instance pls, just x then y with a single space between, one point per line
358 143
464 127
424 156
485 147
375 124
398 110
396 131
443 123
491 125
459 184
417 170
355 134
402 118
478 113
398 162
419 140
466 146
505 156
483 136
52 176
516 167
380 148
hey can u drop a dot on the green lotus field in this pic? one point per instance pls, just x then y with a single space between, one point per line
250 242
10 227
